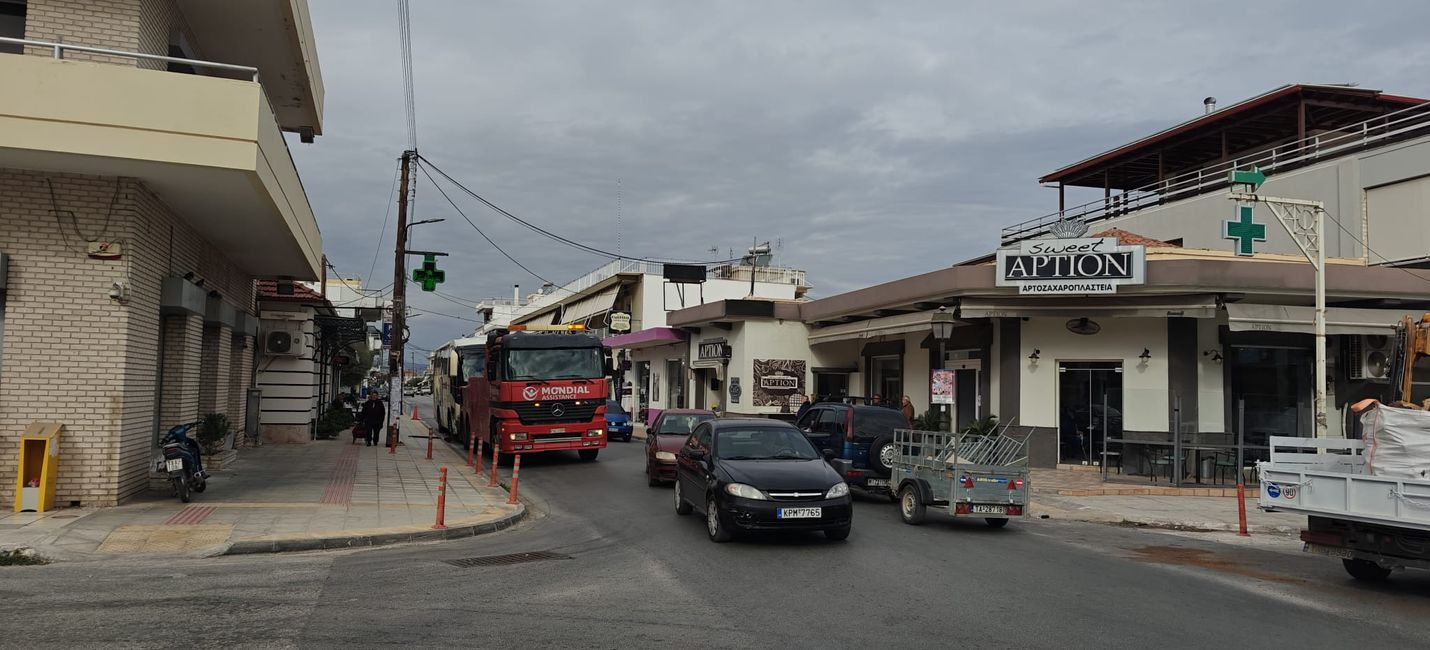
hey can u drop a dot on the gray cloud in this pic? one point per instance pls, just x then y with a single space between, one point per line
874 140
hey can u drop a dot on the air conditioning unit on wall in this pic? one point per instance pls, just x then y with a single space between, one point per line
283 338
1368 358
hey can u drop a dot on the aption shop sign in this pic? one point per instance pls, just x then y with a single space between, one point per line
1071 266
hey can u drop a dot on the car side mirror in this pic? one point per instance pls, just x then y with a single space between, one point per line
695 454
828 454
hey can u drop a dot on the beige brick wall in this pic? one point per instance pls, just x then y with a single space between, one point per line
72 354
143 26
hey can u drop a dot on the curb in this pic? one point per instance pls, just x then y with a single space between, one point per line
297 544
1109 519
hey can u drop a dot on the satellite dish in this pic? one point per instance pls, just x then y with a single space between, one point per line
1083 326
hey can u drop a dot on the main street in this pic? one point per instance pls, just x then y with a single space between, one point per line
640 576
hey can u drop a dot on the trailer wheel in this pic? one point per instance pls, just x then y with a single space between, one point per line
911 505
1366 570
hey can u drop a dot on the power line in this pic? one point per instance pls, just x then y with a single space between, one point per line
383 233
422 160
423 167
404 31
421 310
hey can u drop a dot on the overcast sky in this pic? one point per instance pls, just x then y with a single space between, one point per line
869 140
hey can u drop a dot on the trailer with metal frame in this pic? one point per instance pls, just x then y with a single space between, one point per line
961 475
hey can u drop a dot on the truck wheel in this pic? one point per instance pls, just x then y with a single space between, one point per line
995 522
588 455
881 456
1366 570
911 505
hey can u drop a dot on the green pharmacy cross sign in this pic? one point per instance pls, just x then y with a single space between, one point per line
1244 230
429 276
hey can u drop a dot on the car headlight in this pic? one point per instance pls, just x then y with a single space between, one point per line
664 455
744 491
839 490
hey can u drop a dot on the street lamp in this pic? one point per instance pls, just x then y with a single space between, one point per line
942 323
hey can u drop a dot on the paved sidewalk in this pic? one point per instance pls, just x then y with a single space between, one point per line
1192 513
327 494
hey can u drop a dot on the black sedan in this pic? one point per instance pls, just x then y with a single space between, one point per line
759 475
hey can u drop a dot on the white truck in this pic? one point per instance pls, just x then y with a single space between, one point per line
1366 502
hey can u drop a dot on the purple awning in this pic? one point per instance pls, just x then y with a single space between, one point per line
646 338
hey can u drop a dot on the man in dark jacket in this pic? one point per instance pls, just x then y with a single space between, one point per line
373 417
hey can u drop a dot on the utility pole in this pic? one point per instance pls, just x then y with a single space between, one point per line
399 309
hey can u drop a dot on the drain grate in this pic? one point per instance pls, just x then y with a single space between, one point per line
511 558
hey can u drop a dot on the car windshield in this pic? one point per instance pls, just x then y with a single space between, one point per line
572 363
763 444
680 425
614 408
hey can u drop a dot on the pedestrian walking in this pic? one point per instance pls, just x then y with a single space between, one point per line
908 409
373 416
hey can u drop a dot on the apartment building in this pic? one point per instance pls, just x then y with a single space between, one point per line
145 184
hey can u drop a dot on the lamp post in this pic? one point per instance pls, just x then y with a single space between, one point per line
942 323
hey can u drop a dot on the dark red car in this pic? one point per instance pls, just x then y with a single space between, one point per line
665 437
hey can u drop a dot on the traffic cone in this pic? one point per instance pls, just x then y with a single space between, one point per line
414 413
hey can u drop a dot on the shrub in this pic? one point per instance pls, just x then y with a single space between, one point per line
334 421
213 431
982 426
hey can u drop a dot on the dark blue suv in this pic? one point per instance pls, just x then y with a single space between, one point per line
862 435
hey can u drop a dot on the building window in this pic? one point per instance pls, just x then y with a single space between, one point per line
1271 389
12 25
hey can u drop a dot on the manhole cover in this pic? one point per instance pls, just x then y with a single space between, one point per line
512 558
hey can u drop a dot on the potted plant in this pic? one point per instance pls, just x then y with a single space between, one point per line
212 435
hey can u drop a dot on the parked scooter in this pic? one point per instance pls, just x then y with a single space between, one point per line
182 461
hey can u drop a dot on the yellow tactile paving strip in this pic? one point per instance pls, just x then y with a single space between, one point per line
165 539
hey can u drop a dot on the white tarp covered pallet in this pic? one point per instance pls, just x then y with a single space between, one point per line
1397 442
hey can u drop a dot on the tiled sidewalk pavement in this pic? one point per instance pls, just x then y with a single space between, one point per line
326 494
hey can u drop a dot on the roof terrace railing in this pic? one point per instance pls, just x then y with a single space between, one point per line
1407 122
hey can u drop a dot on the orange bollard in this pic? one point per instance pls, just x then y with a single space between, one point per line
1241 509
441 501
429 445
471 447
392 438
496 453
478 458
515 476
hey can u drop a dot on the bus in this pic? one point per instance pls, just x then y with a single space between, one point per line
452 365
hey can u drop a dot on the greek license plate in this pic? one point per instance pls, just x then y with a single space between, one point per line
1328 551
799 513
174 465
559 430
990 510
878 482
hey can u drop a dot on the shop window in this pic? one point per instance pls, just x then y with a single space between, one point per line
12 25
886 378
1271 389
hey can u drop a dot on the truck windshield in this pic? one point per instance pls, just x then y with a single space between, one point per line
473 362
574 363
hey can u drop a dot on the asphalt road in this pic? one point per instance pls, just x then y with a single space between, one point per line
638 576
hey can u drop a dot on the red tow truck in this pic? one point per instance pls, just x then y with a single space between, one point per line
544 389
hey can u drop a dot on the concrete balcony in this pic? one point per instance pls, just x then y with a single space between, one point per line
210 147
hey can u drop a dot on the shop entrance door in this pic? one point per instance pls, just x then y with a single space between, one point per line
1089 409
831 386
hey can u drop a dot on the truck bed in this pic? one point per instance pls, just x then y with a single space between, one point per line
1333 482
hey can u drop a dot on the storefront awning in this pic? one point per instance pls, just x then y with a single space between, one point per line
899 324
1188 306
1288 318
646 338
579 311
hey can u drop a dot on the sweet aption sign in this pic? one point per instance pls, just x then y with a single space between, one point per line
1071 266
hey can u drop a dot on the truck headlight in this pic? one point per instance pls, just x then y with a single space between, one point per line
595 432
745 491
839 490
664 455
518 436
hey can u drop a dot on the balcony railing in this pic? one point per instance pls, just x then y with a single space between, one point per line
1405 123
57 50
